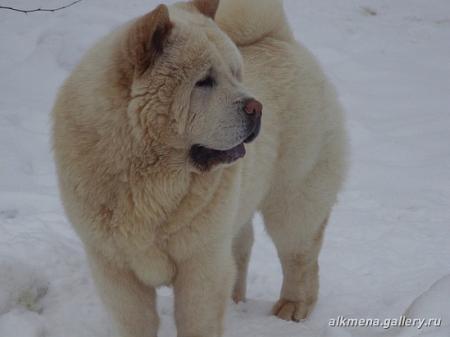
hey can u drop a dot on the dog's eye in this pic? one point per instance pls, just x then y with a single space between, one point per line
207 82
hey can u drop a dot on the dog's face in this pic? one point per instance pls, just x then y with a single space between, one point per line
188 84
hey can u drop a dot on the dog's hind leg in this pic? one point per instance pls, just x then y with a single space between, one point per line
242 246
295 216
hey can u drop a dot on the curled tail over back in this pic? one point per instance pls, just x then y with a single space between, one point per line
248 21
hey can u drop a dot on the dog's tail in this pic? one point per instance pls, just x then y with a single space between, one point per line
248 21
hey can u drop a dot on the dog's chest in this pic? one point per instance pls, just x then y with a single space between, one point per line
145 253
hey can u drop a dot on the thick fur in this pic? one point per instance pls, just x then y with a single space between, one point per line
248 21
124 122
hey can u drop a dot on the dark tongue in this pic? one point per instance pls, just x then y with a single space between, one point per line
205 158
234 154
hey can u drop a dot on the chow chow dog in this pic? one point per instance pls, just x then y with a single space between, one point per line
171 133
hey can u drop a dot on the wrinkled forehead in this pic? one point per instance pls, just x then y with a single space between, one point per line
201 37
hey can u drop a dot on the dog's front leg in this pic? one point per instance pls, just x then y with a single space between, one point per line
131 303
202 289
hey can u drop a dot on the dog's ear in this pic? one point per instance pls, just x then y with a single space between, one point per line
207 7
146 38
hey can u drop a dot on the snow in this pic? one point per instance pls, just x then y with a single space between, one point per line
387 249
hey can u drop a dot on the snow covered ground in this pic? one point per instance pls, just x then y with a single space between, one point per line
387 249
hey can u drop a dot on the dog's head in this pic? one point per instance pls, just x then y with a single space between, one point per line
187 91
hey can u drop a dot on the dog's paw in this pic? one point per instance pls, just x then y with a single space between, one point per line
292 311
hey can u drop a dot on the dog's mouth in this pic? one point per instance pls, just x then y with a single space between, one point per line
205 158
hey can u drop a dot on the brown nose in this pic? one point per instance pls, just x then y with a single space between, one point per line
253 107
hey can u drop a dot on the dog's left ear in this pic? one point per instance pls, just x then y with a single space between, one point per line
207 7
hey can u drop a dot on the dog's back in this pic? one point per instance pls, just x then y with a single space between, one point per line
302 119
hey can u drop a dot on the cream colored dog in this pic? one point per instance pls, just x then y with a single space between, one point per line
149 134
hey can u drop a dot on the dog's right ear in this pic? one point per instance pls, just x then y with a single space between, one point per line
207 7
146 38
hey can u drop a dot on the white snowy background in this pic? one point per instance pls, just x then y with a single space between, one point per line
387 248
